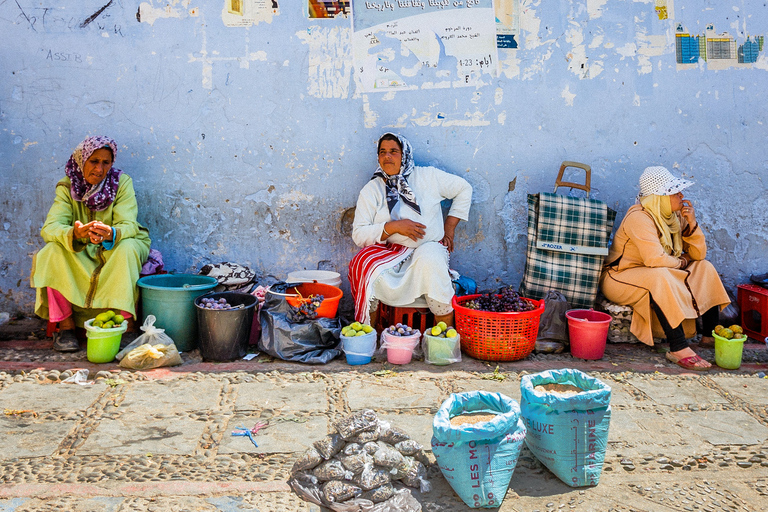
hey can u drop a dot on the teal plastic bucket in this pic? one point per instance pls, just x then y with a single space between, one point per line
171 298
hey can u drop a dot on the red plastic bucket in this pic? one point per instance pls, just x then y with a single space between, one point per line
588 331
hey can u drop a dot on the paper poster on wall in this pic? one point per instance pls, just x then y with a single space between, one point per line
327 8
244 13
719 51
411 44
507 23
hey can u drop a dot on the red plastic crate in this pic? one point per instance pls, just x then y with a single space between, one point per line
417 318
493 336
753 303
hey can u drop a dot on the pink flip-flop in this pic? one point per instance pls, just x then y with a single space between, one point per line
689 363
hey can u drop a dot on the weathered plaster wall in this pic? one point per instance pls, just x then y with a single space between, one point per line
248 143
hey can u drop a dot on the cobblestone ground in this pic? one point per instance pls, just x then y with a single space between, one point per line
160 440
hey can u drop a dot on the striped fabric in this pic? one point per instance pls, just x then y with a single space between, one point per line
568 238
365 267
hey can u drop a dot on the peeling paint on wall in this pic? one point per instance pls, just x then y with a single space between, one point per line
148 13
330 63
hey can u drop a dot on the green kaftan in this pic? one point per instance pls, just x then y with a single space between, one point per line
86 274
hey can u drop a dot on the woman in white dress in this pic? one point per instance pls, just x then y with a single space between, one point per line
406 242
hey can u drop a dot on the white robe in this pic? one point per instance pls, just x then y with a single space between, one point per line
425 271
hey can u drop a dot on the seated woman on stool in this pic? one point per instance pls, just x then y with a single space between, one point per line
656 265
94 246
399 224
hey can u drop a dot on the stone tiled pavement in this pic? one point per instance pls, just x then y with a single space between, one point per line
160 440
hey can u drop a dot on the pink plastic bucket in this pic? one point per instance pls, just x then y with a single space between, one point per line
588 331
400 348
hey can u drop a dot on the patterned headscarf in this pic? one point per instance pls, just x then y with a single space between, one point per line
100 196
397 185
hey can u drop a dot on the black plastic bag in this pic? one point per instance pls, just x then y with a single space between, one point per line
314 341
553 325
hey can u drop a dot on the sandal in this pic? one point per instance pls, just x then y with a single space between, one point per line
689 363
65 341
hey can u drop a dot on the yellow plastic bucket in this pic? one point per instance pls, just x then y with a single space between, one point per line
728 352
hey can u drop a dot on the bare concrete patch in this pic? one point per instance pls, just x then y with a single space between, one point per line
136 433
750 389
389 393
678 392
31 437
727 427
296 396
57 397
186 395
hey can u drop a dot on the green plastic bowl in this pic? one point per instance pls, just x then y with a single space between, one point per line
103 344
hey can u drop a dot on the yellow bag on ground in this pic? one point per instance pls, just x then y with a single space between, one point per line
146 356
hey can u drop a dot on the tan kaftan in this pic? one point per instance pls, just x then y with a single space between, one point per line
639 269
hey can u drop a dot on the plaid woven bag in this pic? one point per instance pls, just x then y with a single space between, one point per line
568 239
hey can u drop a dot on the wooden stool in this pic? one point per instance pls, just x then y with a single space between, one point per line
417 318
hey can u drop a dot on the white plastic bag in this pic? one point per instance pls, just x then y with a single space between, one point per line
152 336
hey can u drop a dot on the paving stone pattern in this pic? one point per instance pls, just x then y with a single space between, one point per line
130 442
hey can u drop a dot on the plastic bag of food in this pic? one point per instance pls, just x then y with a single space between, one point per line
379 494
335 491
366 436
409 447
332 470
386 456
392 435
401 501
352 449
151 335
329 446
308 460
356 423
307 487
370 447
148 356
371 477
355 462
416 477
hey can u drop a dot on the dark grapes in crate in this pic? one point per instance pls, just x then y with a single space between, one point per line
507 301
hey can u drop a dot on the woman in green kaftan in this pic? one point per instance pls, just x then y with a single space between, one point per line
94 245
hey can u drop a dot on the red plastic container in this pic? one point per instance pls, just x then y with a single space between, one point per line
497 336
327 308
588 332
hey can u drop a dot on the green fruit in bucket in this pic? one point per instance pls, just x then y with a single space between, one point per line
103 317
443 326
356 326
361 333
108 325
367 329
97 323
118 319
451 333
436 330
726 333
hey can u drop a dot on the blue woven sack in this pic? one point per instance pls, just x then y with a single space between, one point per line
478 460
567 433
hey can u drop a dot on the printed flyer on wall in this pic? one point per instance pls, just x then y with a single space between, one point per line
412 44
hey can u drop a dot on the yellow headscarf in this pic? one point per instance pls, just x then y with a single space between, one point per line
667 222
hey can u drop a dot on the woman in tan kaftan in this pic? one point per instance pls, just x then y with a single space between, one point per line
656 265
94 245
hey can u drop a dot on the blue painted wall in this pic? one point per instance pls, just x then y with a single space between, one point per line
249 143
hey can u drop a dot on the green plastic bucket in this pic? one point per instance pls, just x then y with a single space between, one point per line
728 352
171 298
103 344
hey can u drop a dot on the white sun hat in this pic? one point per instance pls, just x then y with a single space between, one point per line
658 181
